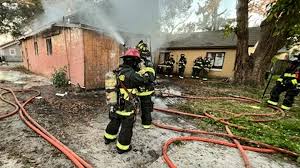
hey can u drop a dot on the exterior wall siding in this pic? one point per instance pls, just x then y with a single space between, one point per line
67 51
101 55
228 67
75 50
191 55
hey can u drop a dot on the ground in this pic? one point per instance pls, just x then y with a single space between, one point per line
79 118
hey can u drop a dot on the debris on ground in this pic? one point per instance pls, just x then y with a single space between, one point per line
78 119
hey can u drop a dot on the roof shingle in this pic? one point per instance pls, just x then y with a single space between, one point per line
213 39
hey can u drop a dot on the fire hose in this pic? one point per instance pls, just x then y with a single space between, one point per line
267 148
24 115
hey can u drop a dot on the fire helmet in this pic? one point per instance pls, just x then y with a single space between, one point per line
132 53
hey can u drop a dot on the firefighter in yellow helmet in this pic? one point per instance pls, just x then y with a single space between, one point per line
146 91
122 112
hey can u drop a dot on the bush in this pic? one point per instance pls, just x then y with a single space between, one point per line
59 77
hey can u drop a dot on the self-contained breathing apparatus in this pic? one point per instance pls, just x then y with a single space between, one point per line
114 99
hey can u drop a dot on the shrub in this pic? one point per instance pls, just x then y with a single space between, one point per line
59 77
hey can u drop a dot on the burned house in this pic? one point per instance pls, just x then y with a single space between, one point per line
86 52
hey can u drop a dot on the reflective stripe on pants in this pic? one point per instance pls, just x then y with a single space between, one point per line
109 136
125 113
122 147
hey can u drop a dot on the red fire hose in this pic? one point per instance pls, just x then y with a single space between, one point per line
236 144
80 163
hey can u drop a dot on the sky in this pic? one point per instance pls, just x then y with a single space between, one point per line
230 7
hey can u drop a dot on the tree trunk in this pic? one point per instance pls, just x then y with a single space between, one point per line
264 52
242 56
250 70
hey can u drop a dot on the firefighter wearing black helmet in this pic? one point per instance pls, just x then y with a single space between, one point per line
197 68
146 91
181 64
288 82
170 66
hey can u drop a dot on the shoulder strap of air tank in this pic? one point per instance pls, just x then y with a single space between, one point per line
120 83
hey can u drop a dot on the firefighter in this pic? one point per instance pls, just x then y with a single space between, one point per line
289 81
145 92
143 48
182 63
197 68
206 67
123 113
170 66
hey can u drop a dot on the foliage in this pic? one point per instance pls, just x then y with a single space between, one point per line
286 15
15 13
59 77
259 6
176 16
209 18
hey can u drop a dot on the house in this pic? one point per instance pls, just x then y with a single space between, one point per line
86 52
222 51
11 51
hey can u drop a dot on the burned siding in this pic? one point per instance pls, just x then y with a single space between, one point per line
101 55
86 54
75 50
41 62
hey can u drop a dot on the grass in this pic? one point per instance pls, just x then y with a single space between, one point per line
284 133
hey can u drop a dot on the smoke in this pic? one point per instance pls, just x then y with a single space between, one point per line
113 16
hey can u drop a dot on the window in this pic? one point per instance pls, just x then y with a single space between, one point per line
49 46
1 53
36 48
12 51
217 59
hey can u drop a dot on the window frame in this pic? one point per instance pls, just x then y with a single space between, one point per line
36 48
215 53
49 46
14 52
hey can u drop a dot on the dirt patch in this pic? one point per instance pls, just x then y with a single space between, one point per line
79 121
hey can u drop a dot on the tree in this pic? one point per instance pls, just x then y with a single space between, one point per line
174 14
209 18
259 6
15 13
282 22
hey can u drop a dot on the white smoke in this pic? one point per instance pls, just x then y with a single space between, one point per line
113 16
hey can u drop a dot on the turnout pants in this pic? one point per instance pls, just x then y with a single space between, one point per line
204 73
196 72
146 109
169 70
181 71
125 134
291 93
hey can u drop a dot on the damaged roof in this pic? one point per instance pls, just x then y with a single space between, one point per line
212 39
75 21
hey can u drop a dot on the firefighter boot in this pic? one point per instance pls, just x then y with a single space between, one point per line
108 141
120 151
